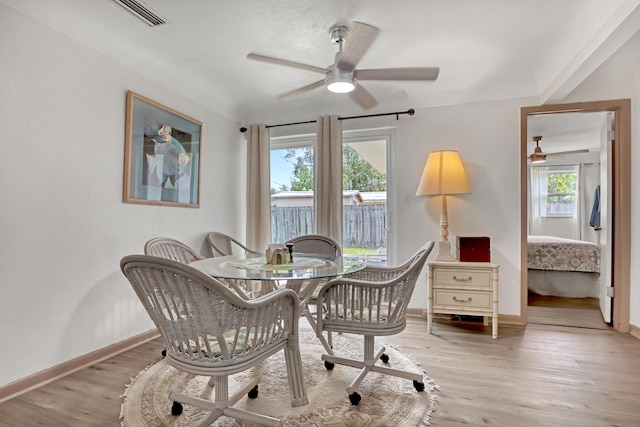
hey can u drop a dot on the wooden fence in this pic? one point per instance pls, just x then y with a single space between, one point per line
364 225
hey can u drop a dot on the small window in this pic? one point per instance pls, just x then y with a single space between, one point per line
555 190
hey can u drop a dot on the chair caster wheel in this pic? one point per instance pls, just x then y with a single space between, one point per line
329 365
384 358
164 353
418 385
176 408
354 398
253 393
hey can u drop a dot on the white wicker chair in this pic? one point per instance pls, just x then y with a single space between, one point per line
222 245
319 246
315 244
371 302
168 248
208 330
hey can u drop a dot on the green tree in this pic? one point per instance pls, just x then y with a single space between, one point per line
357 173
561 186
302 177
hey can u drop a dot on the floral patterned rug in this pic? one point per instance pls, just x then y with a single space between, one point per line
386 400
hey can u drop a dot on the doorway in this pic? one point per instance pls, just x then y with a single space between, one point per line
619 199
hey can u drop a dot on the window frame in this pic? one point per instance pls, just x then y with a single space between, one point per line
559 170
357 135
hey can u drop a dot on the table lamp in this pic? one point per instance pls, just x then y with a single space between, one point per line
443 174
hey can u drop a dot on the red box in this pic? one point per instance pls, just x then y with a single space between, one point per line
474 249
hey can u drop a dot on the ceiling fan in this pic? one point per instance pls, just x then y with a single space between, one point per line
539 157
342 76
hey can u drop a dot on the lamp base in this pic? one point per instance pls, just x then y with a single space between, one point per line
444 252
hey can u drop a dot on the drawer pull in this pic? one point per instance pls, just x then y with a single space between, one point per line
468 279
462 300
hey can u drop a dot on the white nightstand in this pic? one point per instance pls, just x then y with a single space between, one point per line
469 288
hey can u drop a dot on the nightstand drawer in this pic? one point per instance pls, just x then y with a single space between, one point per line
446 277
469 288
451 298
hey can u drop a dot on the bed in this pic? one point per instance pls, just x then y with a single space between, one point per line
563 267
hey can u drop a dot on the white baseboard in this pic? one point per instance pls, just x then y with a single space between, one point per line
635 331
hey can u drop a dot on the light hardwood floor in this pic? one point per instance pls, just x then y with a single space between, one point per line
562 311
539 375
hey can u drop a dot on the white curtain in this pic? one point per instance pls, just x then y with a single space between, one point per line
581 203
578 213
328 178
258 187
539 190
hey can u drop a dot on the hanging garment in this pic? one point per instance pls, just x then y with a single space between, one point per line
594 219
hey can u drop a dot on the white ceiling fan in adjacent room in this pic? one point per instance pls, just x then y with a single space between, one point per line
538 156
342 76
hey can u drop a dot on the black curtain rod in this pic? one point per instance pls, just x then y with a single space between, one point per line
410 112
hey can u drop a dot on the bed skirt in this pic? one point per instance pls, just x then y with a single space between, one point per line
573 284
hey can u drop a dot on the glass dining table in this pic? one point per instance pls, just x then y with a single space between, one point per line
303 275
254 267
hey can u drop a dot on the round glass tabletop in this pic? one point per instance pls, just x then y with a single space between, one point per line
254 267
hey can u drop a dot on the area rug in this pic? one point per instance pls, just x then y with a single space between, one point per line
386 400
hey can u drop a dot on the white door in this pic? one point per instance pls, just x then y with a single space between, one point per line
367 219
607 139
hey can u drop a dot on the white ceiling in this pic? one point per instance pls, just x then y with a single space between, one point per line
486 49
566 131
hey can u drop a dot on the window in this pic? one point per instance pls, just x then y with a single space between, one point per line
365 212
366 219
291 187
554 190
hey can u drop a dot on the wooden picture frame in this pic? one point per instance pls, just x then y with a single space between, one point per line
162 155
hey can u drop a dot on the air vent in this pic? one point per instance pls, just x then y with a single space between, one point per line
141 12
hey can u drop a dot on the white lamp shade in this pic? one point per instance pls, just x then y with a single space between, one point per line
443 174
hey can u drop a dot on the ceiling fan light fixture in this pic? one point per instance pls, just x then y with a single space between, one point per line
343 76
339 81
538 158
340 85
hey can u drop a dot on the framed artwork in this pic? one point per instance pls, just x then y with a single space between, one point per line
162 155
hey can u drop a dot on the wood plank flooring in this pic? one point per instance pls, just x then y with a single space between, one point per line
538 376
562 311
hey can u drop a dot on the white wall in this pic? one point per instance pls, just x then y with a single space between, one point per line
63 226
619 78
634 317
487 135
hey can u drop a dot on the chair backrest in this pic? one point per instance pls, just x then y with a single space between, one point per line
378 298
165 247
203 323
222 244
315 244
415 264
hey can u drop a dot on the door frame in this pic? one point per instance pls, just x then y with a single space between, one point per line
621 163
388 134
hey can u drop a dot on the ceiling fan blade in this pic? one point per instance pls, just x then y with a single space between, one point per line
416 73
363 98
308 88
359 39
286 63
565 153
